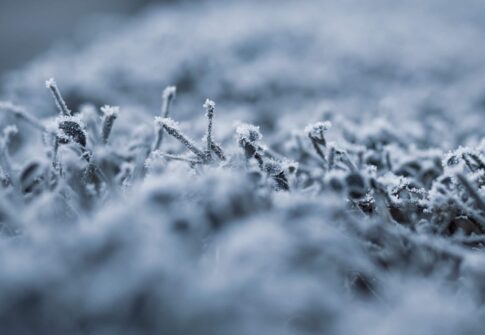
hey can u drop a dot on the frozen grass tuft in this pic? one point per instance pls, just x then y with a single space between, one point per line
116 224
353 214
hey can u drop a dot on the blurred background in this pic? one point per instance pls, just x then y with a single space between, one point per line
259 59
28 27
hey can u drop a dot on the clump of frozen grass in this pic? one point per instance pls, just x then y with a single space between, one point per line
351 212
383 240
248 137
173 129
366 168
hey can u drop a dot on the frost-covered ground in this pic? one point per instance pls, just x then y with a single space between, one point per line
356 207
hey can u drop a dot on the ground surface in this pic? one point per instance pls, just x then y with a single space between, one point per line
374 225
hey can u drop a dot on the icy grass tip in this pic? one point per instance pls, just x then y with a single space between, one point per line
50 83
110 111
316 129
316 133
61 104
248 132
209 104
110 115
169 92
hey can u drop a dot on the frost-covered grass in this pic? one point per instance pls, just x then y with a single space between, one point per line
335 186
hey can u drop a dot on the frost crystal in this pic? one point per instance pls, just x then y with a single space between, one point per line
169 92
317 130
110 111
50 83
166 121
209 104
248 132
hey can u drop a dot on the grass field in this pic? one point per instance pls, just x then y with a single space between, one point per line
251 167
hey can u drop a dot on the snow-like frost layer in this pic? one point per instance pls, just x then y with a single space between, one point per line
217 250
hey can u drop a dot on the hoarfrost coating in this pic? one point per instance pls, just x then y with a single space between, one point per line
274 223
